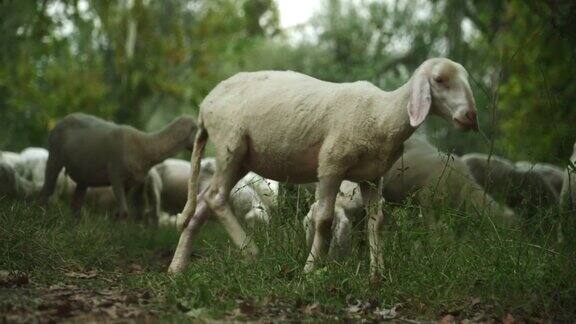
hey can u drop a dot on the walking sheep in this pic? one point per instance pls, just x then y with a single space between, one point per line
287 126
99 153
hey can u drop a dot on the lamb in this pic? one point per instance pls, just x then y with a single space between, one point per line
568 192
99 153
518 188
287 126
252 197
424 173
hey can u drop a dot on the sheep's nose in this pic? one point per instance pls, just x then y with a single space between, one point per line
471 115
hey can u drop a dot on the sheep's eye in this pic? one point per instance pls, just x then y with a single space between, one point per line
439 79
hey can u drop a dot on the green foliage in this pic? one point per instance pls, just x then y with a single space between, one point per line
137 62
144 62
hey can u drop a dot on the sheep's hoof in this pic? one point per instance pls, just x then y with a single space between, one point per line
122 215
309 267
175 269
250 252
375 279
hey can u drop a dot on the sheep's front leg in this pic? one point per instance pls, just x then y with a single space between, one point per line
327 190
120 194
373 204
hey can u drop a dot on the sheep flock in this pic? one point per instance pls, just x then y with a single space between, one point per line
351 145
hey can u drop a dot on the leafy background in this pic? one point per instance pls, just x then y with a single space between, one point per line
144 62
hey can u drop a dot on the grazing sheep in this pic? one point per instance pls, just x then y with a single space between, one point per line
10 158
27 169
502 179
32 164
287 126
424 173
568 192
12 184
175 175
348 207
433 177
551 173
252 197
99 153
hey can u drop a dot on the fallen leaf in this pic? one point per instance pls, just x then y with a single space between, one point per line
475 301
447 319
310 309
196 312
386 314
81 275
17 278
508 319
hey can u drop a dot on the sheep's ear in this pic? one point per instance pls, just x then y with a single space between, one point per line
420 99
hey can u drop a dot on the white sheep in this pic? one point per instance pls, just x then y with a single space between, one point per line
551 173
427 177
10 158
518 188
27 172
99 153
33 163
175 175
287 126
252 197
12 184
347 208
568 192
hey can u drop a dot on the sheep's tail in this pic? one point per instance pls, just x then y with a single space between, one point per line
197 153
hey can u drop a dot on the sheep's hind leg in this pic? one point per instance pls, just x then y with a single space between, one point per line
228 173
78 199
183 251
53 168
328 187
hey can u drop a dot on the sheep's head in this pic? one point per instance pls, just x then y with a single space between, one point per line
441 86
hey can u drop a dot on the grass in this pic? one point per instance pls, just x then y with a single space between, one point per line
464 266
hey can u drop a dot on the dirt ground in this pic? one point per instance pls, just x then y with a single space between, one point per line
90 296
